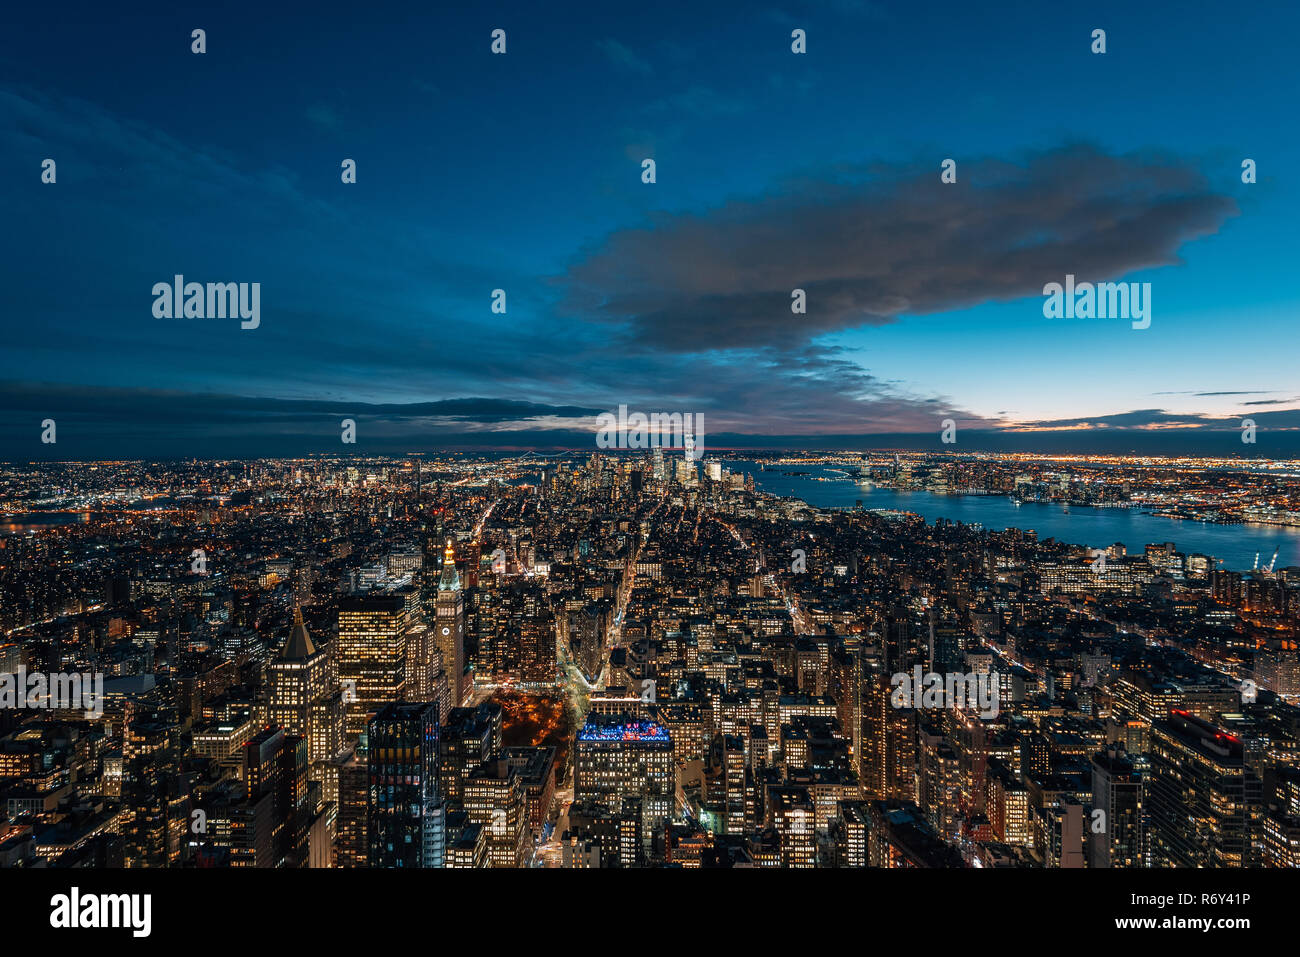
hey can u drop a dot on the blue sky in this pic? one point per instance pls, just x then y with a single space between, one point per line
523 172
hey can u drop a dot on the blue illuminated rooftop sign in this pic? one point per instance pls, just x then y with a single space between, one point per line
624 731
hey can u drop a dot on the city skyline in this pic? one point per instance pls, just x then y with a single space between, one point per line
522 172
626 661
792 435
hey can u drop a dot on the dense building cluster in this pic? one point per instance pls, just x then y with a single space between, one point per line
618 660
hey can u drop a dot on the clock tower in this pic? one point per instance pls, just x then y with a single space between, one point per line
449 626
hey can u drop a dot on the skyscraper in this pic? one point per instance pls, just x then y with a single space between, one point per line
407 821
1118 837
351 847
887 758
1205 800
275 776
304 695
449 620
495 799
426 678
372 655
621 760
468 738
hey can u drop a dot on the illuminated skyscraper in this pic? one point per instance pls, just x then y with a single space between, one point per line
1280 827
449 620
351 845
304 694
276 814
1117 792
407 823
791 815
1006 802
467 738
887 758
849 831
426 678
726 784
495 799
533 631
1205 801
372 655
620 758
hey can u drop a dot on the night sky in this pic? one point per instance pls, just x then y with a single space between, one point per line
523 172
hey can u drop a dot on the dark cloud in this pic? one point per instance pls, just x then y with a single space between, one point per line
170 404
96 422
792 391
871 244
697 304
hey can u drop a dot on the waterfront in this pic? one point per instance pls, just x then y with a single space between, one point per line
23 522
1234 545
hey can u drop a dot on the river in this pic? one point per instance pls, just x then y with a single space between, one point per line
1234 545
